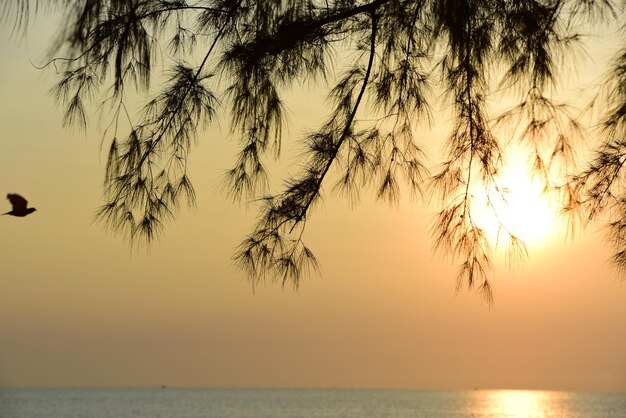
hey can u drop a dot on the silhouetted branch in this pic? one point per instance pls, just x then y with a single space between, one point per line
270 249
414 57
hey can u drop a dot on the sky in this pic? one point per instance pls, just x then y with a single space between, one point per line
79 309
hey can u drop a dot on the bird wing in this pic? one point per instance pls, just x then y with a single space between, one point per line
17 201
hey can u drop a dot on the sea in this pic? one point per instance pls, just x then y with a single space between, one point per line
304 403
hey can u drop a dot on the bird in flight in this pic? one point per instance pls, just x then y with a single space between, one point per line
19 206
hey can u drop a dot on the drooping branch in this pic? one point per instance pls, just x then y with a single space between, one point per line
143 186
272 247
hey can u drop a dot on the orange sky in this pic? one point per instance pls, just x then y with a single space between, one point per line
78 309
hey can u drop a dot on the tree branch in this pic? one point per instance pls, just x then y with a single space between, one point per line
350 120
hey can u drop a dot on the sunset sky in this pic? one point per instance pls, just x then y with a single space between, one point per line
78 308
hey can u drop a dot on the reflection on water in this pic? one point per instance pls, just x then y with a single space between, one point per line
522 403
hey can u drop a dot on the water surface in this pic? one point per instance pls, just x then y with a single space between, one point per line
304 403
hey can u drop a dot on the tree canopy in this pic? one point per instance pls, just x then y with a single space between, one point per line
240 56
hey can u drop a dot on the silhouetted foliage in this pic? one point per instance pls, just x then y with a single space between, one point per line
408 54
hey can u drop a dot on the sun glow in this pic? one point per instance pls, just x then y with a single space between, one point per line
518 205
523 403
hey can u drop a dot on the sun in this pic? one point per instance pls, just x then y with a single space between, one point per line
519 205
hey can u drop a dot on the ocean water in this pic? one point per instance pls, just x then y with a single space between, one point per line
304 403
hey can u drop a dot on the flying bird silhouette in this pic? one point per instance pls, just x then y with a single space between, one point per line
19 206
